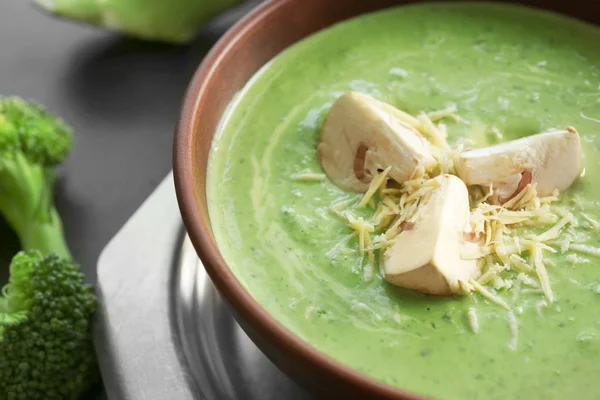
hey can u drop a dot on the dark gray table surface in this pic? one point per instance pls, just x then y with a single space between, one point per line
122 97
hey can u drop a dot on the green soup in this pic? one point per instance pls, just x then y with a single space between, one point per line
521 70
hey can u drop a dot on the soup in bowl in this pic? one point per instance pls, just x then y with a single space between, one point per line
406 201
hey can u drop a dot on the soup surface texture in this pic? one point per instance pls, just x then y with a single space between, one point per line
520 70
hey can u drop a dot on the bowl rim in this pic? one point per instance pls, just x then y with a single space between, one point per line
198 226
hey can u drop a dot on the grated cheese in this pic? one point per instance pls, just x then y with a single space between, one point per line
339 208
550 199
527 280
499 283
549 262
491 274
521 197
496 134
540 269
508 257
520 264
593 224
335 249
575 259
308 176
473 320
388 201
391 192
582 248
448 112
431 132
362 228
553 232
539 306
375 184
488 295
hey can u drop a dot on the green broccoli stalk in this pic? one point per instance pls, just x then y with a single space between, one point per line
32 144
175 21
46 310
46 349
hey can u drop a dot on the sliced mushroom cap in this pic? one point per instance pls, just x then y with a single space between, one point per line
362 136
427 257
552 160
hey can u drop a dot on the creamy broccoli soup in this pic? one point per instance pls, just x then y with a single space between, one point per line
509 72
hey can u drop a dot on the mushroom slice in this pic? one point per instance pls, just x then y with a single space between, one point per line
362 136
552 160
427 257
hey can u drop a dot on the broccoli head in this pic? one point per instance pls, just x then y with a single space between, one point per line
46 349
32 143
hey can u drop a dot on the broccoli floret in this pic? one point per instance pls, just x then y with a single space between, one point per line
46 310
32 143
46 349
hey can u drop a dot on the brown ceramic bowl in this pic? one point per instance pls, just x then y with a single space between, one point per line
245 48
